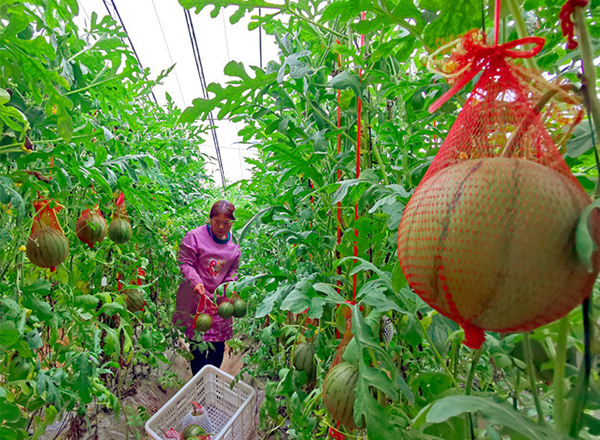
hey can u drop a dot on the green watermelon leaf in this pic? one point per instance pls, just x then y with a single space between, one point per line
585 244
494 412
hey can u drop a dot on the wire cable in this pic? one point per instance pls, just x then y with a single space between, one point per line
200 69
260 50
116 10
169 53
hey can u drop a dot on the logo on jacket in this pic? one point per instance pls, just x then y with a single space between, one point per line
215 266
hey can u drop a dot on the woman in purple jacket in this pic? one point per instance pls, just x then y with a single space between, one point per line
207 258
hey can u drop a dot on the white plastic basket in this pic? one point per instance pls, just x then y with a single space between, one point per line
231 409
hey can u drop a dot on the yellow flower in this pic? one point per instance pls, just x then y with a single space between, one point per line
22 248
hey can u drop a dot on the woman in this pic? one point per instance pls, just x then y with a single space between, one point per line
207 258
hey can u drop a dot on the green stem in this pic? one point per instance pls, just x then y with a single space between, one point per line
326 119
436 353
589 69
560 362
378 156
515 11
455 353
471 376
516 395
314 23
581 393
91 86
531 374
469 385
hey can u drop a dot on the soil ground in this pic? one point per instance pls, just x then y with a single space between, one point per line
145 393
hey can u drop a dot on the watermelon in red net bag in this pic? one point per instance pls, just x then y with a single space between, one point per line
488 237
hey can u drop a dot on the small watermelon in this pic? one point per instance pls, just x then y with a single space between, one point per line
91 227
339 393
135 300
120 231
194 432
47 247
197 416
240 308
226 310
204 322
304 359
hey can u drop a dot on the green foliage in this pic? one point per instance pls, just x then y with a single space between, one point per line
78 125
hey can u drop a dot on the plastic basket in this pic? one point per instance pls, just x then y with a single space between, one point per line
230 408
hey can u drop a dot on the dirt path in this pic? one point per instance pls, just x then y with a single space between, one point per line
146 394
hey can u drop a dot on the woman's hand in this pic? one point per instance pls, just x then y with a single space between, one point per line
209 306
199 289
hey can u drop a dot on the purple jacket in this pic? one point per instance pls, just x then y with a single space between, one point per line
205 259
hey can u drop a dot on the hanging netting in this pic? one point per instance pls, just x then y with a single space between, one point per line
488 238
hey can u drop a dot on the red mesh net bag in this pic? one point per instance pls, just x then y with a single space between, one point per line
47 245
488 238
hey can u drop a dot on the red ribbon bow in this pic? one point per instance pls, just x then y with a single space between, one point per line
478 56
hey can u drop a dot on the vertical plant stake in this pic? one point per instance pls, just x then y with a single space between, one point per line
488 238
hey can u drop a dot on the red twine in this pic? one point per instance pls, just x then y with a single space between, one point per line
335 434
472 55
566 24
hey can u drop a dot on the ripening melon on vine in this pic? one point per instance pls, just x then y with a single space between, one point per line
47 245
490 243
135 300
499 235
91 227
304 359
120 230
339 393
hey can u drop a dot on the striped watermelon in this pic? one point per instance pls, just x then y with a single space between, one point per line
204 322
194 432
339 393
240 308
304 359
120 231
47 247
91 227
226 310
197 416
490 244
135 300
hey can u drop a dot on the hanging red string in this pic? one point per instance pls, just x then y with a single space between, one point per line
358 138
339 172
566 24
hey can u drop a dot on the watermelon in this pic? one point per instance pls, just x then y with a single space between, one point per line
204 322
240 308
304 359
490 244
135 300
120 231
193 432
197 416
226 310
339 393
91 227
47 247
